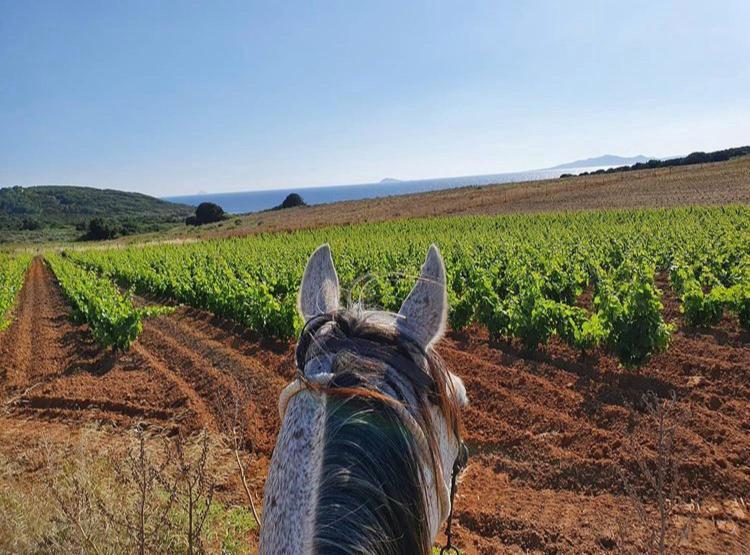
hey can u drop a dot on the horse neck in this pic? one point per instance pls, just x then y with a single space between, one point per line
347 478
291 491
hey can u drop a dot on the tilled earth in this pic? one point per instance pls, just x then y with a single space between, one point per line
561 444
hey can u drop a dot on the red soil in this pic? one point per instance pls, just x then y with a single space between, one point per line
551 433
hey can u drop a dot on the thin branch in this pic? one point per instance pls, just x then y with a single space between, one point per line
245 486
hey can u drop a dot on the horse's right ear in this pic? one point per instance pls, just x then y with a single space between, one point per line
425 311
319 292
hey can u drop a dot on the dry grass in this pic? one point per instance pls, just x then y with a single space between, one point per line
151 495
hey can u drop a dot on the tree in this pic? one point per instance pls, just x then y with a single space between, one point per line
100 230
30 224
292 200
206 213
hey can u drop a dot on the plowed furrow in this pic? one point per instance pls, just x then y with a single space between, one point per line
16 341
244 380
103 405
162 362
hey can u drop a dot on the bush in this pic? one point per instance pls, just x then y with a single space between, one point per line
100 230
208 212
630 315
701 309
292 200
30 224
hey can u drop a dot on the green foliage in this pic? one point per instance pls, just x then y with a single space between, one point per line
226 526
739 301
111 316
630 315
701 309
206 213
52 213
12 271
711 287
100 230
519 276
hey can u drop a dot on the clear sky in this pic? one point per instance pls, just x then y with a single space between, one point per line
180 97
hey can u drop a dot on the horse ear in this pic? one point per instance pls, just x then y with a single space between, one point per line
319 292
425 310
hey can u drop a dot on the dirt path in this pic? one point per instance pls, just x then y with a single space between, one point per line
32 349
550 433
184 371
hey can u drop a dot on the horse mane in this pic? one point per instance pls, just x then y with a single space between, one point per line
371 496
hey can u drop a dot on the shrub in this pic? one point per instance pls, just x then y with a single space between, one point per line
30 224
100 230
701 309
630 314
208 212
292 200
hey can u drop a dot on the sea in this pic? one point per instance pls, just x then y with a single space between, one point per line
255 201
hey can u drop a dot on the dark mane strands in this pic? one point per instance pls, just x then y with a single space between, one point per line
372 477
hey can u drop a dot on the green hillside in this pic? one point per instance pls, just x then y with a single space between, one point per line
65 213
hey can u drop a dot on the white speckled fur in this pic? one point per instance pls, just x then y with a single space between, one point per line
290 497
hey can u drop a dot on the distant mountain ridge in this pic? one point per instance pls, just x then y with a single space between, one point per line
605 160
698 157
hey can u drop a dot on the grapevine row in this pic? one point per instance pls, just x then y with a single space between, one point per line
12 271
522 277
111 316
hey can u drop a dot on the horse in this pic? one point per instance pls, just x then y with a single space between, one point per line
370 443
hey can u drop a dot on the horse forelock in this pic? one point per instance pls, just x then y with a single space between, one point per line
375 468
359 347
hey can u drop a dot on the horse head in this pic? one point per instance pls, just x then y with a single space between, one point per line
371 429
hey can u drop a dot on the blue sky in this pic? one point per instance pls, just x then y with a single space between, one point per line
179 97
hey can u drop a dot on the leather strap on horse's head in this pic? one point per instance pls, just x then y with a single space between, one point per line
461 462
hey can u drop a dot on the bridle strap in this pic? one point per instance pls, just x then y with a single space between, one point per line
459 464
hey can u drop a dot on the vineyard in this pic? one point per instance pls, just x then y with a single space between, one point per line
588 278
560 325
112 318
12 270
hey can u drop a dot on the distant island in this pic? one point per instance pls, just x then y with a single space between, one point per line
606 160
390 180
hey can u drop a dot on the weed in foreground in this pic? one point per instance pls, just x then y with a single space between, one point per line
155 495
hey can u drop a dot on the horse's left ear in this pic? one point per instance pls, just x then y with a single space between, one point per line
319 292
425 311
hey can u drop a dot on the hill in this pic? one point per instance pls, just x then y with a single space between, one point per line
711 184
606 160
63 213
689 160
